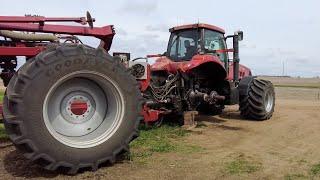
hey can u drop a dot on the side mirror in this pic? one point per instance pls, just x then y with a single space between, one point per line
239 34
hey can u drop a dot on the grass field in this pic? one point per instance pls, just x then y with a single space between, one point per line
290 82
308 86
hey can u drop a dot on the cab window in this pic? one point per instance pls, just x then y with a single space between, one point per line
215 41
183 45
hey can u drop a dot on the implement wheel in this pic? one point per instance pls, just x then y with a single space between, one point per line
72 108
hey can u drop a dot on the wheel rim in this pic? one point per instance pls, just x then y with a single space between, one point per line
83 109
268 102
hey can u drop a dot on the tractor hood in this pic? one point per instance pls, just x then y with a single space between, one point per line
207 64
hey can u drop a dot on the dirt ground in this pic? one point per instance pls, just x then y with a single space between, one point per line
284 147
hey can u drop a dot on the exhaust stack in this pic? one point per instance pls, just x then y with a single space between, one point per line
238 36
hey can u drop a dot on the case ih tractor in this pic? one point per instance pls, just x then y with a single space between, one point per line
72 107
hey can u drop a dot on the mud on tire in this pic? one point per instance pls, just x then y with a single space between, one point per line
257 98
26 97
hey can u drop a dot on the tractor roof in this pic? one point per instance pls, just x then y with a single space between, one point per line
198 25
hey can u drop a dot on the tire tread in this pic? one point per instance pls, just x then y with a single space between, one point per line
252 103
14 95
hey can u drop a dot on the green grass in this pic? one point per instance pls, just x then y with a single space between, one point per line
241 166
158 139
315 169
1 96
164 139
3 134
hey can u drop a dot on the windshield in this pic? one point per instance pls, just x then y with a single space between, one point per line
183 45
215 41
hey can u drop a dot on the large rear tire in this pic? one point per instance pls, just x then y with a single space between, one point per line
257 98
72 108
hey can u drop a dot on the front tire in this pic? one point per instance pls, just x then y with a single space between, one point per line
72 108
257 98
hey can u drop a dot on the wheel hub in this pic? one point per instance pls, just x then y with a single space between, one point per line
78 108
83 109
269 101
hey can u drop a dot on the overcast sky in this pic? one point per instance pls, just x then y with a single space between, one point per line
276 31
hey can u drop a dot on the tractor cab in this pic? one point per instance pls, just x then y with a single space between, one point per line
189 40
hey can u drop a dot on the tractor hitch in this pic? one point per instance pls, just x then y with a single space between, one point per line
212 98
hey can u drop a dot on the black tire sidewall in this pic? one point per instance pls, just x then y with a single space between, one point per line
252 94
36 90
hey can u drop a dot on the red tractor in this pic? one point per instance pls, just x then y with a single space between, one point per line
72 107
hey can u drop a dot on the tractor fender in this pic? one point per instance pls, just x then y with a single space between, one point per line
199 60
206 66
243 71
